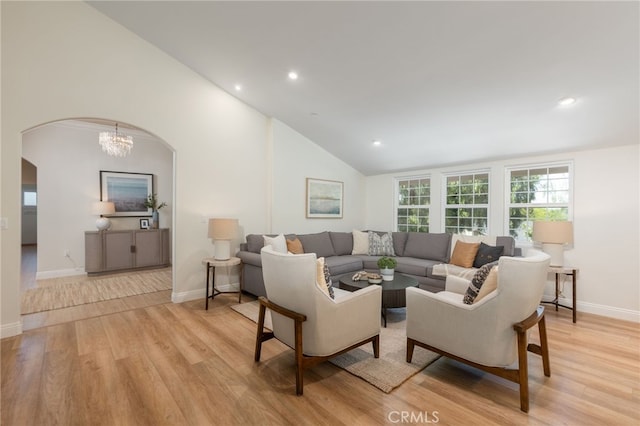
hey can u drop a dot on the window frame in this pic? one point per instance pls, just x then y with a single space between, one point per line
396 181
444 198
508 205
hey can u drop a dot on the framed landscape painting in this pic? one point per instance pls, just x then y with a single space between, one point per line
324 199
127 191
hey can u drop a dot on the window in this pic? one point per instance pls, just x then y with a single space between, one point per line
467 203
537 193
413 202
29 199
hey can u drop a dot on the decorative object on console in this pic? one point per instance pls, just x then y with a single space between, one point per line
222 231
387 266
102 208
553 235
116 144
152 203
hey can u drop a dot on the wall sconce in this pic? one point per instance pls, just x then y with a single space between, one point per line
222 231
553 236
101 208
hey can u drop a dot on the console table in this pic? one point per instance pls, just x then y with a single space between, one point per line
569 271
211 264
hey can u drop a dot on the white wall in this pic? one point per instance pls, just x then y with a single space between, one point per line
69 160
54 68
606 221
296 158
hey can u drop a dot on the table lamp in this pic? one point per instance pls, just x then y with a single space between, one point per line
222 231
553 236
101 208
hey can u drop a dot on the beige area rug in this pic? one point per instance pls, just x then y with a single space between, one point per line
56 293
387 372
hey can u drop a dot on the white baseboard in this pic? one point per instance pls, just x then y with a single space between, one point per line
603 310
10 330
43 275
185 296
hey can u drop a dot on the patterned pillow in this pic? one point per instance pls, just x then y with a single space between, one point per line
476 283
381 245
487 254
323 278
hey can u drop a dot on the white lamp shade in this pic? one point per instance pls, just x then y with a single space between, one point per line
103 207
553 232
223 229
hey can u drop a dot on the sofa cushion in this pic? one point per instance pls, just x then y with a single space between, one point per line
464 254
278 243
413 266
428 246
360 242
369 262
339 265
342 242
487 254
319 243
381 245
399 241
476 283
294 246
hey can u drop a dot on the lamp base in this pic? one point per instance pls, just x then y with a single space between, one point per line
222 249
103 223
556 251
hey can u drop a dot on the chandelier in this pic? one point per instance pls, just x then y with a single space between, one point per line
115 143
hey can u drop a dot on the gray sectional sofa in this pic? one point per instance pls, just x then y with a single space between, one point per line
416 253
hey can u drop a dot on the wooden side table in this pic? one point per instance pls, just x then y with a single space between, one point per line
570 271
211 264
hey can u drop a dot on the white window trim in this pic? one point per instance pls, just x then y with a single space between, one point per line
396 196
443 195
529 166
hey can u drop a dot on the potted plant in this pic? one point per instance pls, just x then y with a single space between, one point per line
152 203
387 266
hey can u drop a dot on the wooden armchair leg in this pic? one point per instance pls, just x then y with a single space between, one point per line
299 357
544 348
376 347
523 371
410 345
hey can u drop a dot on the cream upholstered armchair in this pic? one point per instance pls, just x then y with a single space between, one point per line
490 334
306 319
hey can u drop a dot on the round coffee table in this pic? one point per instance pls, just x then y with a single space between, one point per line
393 292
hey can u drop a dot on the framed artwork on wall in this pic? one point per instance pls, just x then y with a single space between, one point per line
324 199
144 223
127 191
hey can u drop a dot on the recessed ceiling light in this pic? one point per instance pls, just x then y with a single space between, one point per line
566 101
293 75
238 87
377 143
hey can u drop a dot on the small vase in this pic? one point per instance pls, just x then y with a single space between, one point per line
155 220
387 274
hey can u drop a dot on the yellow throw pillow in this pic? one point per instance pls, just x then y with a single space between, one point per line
464 254
295 246
320 280
489 285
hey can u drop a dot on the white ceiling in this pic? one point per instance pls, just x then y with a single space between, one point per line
439 83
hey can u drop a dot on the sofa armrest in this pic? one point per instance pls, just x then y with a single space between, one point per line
250 258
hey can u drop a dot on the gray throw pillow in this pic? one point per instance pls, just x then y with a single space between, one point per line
426 245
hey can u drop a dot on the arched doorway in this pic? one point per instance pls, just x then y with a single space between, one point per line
69 161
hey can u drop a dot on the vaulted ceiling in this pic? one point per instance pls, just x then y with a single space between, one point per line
436 83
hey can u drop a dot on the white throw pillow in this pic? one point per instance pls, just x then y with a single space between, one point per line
360 242
278 243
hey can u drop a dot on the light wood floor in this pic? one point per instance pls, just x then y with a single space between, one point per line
179 364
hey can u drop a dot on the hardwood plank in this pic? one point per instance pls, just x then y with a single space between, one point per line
180 364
